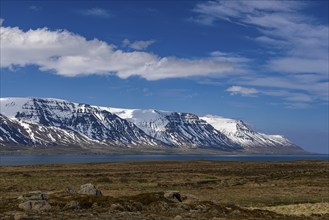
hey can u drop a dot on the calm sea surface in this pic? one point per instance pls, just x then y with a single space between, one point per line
14 160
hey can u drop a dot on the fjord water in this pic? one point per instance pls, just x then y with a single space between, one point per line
15 160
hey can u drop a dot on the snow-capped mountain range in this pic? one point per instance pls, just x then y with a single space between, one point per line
40 123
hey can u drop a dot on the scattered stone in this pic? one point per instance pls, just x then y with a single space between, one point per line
37 205
188 198
35 200
94 205
174 196
184 207
25 205
161 206
72 205
235 212
201 207
133 206
70 190
178 217
89 189
21 216
191 197
116 207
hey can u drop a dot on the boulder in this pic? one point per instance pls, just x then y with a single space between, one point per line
36 205
89 189
174 196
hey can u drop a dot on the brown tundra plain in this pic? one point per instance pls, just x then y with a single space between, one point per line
166 190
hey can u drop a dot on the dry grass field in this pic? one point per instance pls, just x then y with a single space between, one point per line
135 190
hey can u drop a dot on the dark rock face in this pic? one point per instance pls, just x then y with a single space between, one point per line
57 122
89 121
185 129
12 132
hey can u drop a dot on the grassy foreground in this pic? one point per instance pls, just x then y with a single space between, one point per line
134 190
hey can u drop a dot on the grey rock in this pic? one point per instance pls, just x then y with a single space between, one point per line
190 197
72 205
235 212
89 189
201 207
21 216
116 207
25 205
37 205
70 190
178 217
174 196
94 205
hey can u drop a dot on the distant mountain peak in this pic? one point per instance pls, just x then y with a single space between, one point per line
41 122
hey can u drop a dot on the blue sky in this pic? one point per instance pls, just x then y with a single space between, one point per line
265 62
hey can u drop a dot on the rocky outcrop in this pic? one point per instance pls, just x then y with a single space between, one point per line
89 189
35 201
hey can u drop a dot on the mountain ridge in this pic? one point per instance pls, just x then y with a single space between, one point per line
38 121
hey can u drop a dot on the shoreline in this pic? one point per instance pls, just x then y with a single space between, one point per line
36 159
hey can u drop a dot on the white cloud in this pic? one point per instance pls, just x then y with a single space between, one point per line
137 45
238 90
98 12
1 21
229 57
272 42
290 99
297 61
299 65
69 54
282 26
35 8
299 84
235 11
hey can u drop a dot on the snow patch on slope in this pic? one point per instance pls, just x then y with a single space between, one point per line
152 122
226 125
241 134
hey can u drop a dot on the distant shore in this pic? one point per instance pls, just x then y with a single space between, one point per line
16 150
32 159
